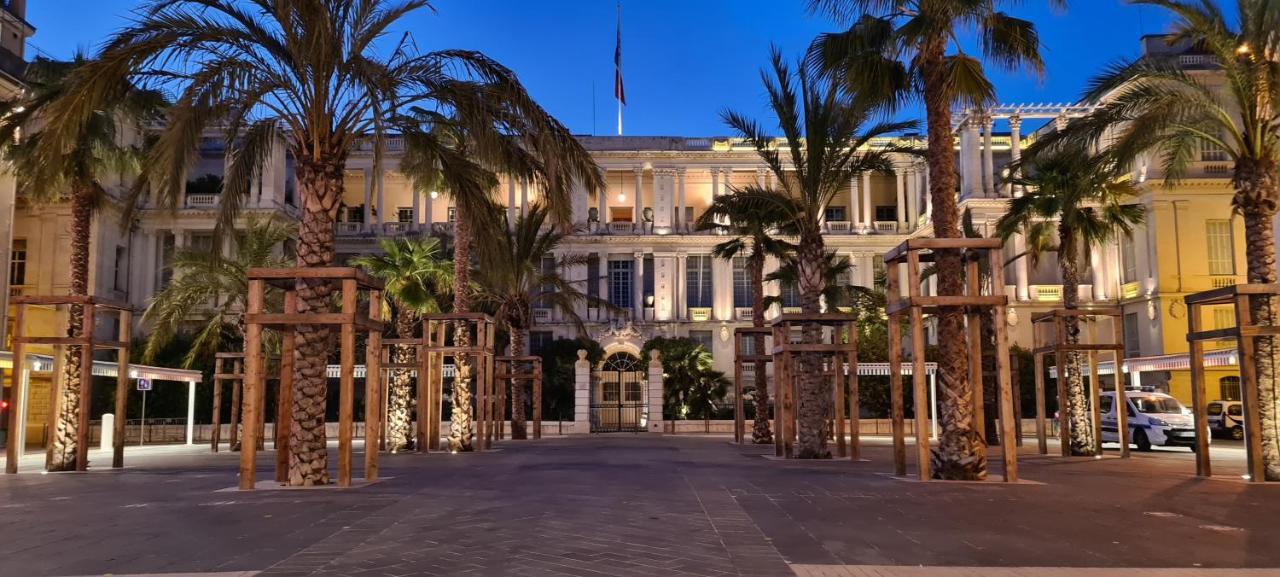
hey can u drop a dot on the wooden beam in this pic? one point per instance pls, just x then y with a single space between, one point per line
122 391
252 381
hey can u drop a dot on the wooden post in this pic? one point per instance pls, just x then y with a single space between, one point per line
855 422
86 388
233 436
919 387
122 390
284 400
1004 384
437 396
837 377
537 401
1121 399
1064 420
17 402
488 376
739 424
346 384
424 388
216 434
974 329
261 400
252 381
1042 434
1095 387
1249 384
372 391
1204 466
896 402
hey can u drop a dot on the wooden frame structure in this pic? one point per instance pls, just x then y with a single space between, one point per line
479 330
350 319
786 406
973 304
511 371
1239 297
1057 320
740 336
236 377
91 307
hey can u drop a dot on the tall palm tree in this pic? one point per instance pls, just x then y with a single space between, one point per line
1151 106
512 279
310 76
908 49
212 289
80 171
417 277
1075 202
826 142
754 233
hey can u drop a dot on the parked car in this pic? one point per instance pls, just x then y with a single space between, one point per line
1155 419
1226 419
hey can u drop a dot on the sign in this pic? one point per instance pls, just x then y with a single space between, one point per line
144 384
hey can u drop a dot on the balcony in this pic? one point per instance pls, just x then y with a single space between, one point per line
699 314
839 227
541 315
202 201
621 227
885 227
12 64
395 228
743 313
348 228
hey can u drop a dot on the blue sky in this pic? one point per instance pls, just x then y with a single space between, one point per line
684 61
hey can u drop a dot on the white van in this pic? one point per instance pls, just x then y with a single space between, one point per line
1155 419
1225 419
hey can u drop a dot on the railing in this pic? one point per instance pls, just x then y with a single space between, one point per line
839 227
743 313
1225 281
622 227
1131 290
1049 293
442 228
395 227
202 200
791 310
1197 60
348 228
699 314
886 227
542 315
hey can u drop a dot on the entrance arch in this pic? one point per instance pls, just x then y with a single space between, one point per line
618 395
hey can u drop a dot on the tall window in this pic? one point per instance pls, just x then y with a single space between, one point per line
538 340
742 289
593 276
648 280
121 269
167 246
18 263
835 214
620 279
548 267
404 214
1132 346
1128 259
887 213
1220 246
703 338
1211 152
790 295
202 242
355 213
1229 389
698 281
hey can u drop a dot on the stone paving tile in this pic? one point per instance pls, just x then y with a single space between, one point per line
902 571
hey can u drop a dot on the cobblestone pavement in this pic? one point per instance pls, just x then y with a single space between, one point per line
637 506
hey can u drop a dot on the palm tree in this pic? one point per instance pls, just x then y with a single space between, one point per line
309 76
899 49
1075 202
692 388
212 289
513 278
1151 106
826 143
79 172
754 236
416 276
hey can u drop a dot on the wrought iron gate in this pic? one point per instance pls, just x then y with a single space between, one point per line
618 396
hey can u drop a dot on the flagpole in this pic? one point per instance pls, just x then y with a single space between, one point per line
618 63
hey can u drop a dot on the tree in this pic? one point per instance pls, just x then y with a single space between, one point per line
416 277
1075 202
79 171
691 388
313 77
518 271
901 52
1151 106
754 235
826 142
559 359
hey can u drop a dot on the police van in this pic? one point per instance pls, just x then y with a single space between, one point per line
1154 419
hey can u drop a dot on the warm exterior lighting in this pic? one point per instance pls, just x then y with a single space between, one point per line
622 197
1243 49
435 194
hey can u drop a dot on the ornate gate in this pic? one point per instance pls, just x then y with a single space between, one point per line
618 396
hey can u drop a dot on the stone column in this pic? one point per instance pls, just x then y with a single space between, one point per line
604 281
368 199
655 392
8 201
760 176
428 219
902 198
524 196
417 208
582 394
913 199
637 286
868 216
603 201
1098 274
1015 148
988 157
638 218
663 200
511 201
971 157
679 220
928 193
682 286
1020 275
380 182
855 216
715 183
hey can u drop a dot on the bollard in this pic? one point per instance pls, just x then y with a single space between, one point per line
108 431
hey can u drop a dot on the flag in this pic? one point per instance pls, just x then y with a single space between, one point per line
617 63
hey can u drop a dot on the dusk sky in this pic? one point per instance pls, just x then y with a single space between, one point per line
684 61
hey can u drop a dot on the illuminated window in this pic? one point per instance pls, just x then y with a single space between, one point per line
18 263
620 283
698 281
742 290
1220 247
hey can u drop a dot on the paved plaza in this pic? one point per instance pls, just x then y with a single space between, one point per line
639 505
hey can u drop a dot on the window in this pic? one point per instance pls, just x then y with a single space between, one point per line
886 214
355 213
704 338
404 214
1229 388
635 393
593 278
201 242
1224 317
1220 247
167 245
121 270
1132 346
620 214
1128 259
835 213
548 268
1211 152
742 289
1104 404
648 281
538 341
790 295
18 263
1214 409
620 283
452 214
698 288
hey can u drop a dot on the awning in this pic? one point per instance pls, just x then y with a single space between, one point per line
1173 362
44 364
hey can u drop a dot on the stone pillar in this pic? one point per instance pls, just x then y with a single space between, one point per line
638 218
380 181
604 281
655 392
664 287
715 183
8 200
913 199
988 157
855 216
368 199
681 203
902 198
682 286
971 156
928 193
417 208
868 216
663 200
511 201
1015 149
1020 268
428 219
760 176
1098 274
582 394
722 285
524 196
603 201
637 286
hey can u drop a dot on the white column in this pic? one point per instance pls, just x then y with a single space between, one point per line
715 183
902 198
380 182
524 196
682 286
368 199
913 198
971 156
638 217
868 216
191 413
655 392
680 224
664 193
1097 269
988 157
928 192
604 280
1020 275
603 200
428 219
511 201
855 216
582 394
1015 150
417 208
8 200
637 286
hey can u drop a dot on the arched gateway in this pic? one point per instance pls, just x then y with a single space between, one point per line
618 394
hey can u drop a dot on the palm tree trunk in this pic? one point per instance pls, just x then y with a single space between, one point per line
1260 180
64 435
760 432
815 397
519 337
399 419
461 426
960 454
1071 376
990 384
321 191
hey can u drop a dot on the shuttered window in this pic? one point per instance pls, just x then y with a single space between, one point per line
1221 249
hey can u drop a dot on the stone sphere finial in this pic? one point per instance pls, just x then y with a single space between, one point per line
653 355
582 354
